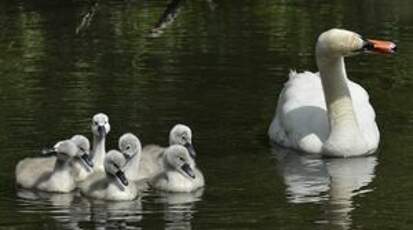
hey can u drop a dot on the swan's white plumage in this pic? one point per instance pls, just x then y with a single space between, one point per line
301 116
326 113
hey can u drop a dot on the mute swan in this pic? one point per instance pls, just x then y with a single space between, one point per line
111 184
326 113
152 154
100 128
131 148
60 178
179 173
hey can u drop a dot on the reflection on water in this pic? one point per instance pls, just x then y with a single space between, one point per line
73 211
167 18
331 182
179 208
87 17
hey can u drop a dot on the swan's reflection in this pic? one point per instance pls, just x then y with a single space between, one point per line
72 211
62 200
179 208
332 182
58 205
107 214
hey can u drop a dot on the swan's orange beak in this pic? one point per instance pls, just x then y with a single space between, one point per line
382 47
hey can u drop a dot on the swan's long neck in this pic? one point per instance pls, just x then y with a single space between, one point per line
337 94
345 138
99 152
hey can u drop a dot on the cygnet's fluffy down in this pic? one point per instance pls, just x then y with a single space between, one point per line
111 184
130 146
28 169
179 173
57 178
152 155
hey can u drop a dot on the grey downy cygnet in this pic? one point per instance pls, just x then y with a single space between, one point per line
152 155
100 128
111 184
81 171
31 167
179 173
60 178
130 146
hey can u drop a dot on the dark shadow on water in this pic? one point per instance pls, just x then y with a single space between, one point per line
331 182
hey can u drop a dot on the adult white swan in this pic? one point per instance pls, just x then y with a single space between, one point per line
326 113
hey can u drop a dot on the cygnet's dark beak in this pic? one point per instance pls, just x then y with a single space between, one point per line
122 178
127 156
187 169
191 150
102 130
86 160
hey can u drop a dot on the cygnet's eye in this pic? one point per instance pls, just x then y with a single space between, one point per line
181 159
128 147
96 123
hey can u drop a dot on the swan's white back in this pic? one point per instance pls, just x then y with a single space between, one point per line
301 120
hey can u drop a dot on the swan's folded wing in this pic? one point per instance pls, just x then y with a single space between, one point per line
301 120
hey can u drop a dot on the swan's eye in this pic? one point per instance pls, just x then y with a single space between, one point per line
181 159
128 147
96 123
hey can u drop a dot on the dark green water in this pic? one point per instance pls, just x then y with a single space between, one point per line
217 66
